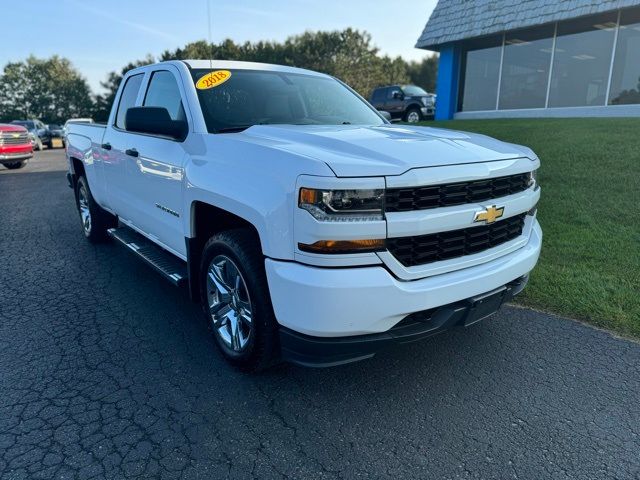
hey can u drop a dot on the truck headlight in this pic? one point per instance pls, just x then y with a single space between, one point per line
342 205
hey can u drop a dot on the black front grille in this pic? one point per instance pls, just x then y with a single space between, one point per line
421 249
447 195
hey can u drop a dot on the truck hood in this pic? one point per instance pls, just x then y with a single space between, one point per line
357 151
5 127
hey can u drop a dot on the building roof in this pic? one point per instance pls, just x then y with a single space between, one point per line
454 20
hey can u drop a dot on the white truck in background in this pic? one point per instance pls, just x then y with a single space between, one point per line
310 228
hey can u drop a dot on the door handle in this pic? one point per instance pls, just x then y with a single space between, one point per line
106 146
132 152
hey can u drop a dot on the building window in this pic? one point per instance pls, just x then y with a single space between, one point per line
625 81
481 71
582 60
525 68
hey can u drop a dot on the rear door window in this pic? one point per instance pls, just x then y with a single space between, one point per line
128 98
378 95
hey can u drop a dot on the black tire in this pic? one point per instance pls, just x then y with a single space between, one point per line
410 115
50 144
15 165
99 219
243 249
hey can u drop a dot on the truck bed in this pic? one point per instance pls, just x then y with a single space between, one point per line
82 137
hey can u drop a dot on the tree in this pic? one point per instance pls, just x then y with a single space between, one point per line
424 73
347 54
49 89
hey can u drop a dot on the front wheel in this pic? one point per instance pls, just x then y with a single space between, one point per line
413 116
236 300
15 165
94 219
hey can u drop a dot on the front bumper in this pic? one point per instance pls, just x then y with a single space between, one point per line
312 351
338 302
14 157
427 111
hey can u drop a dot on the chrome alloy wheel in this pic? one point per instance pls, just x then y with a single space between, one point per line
229 303
83 205
413 117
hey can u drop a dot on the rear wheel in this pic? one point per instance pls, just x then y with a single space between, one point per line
94 219
413 116
15 165
236 300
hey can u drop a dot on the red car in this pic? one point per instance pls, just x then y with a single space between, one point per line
15 146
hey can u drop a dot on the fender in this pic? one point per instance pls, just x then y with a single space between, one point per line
81 148
251 180
414 105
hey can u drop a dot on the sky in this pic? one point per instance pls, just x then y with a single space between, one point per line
100 36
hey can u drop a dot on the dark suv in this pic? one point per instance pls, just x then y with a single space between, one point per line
404 102
39 130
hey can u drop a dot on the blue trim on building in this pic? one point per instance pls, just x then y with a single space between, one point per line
447 85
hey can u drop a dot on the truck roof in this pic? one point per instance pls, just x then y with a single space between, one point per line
232 64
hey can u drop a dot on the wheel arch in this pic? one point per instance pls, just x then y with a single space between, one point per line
206 220
77 169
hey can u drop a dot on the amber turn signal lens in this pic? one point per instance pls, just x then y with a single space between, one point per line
308 196
343 246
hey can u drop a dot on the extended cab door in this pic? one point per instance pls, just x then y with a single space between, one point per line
114 145
155 166
378 98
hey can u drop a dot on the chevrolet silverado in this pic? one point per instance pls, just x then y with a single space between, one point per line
15 146
309 228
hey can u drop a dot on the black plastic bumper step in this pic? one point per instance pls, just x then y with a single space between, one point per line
167 264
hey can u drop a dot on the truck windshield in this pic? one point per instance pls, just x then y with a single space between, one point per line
258 97
29 125
413 90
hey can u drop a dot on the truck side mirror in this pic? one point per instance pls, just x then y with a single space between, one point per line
398 95
155 121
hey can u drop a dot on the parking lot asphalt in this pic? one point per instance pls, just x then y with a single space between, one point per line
107 371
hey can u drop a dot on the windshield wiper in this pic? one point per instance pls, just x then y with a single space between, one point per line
234 128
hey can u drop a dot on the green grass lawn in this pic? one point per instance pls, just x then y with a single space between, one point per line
589 268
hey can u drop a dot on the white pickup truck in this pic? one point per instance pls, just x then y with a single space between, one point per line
310 228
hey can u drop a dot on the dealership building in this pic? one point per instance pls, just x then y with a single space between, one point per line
536 58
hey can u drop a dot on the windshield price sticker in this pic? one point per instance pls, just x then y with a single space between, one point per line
213 79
